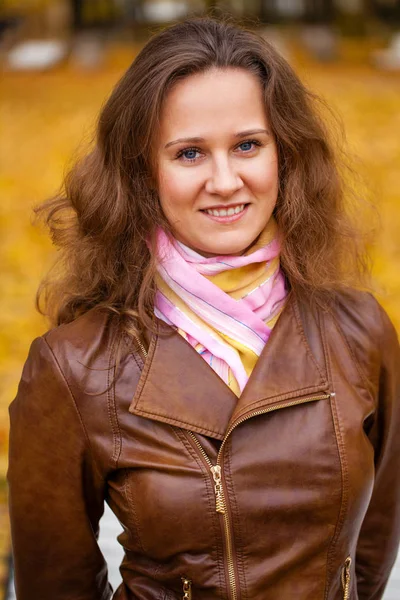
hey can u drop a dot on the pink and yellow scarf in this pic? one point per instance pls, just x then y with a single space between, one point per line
224 306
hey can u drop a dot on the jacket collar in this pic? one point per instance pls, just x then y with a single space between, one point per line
178 387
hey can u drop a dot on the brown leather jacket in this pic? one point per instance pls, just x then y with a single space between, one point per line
291 492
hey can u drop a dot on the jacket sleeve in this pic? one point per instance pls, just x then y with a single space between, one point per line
380 532
55 491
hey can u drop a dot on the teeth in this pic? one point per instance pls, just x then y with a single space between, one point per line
223 212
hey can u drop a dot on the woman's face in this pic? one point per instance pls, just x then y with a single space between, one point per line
217 161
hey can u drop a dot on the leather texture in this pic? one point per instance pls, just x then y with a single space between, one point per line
309 456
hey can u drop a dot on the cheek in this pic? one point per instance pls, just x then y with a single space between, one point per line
177 189
263 177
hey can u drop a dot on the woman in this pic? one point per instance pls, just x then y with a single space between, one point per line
212 376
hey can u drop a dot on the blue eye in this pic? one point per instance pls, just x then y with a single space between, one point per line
246 146
189 154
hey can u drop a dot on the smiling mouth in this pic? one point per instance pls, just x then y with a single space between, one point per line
225 212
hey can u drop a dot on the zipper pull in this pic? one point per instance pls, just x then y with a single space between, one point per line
346 578
187 589
219 498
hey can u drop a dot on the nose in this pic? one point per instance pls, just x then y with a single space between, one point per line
224 180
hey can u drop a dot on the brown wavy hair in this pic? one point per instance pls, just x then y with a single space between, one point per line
109 205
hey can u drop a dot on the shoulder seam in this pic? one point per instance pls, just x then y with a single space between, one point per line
112 409
89 445
356 362
295 310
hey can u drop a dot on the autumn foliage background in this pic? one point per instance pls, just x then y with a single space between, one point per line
46 117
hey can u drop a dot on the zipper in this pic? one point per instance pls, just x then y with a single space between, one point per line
220 507
187 589
346 577
141 346
220 502
216 471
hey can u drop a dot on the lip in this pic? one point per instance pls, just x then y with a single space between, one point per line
226 206
227 219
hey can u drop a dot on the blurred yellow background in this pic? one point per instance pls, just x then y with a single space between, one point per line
45 117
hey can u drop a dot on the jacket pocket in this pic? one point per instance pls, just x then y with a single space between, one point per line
346 578
186 588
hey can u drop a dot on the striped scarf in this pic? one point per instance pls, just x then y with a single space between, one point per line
224 306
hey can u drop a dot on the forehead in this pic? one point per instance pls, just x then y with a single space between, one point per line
214 101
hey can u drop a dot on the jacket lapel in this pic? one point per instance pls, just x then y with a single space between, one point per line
285 369
178 387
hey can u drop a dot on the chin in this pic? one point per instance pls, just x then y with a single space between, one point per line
224 249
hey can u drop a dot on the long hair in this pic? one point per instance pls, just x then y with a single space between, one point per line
109 208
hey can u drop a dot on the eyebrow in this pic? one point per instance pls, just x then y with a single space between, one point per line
198 140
